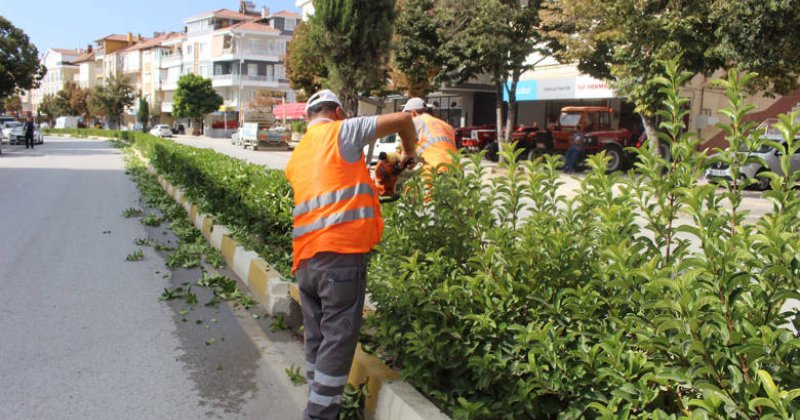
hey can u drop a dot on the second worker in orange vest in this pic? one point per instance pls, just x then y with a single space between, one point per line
436 139
337 221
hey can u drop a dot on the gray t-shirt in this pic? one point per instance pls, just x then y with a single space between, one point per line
354 135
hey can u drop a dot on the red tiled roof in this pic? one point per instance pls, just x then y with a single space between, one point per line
86 56
152 42
286 14
254 27
66 51
114 37
226 14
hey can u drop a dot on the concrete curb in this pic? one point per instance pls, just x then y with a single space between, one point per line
389 397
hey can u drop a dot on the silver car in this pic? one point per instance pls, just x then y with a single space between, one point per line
770 156
17 135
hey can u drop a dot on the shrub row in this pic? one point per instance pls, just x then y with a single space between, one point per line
646 295
86 132
255 202
506 299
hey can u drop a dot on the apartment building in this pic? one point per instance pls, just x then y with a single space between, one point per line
90 74
60 70
242 53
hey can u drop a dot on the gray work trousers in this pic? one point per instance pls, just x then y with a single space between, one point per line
332 288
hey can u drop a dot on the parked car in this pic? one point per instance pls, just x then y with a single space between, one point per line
769 160
388 144
17 135
161 130
7 126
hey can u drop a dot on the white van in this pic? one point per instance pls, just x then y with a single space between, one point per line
67 122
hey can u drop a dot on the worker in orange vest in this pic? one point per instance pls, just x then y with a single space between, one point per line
337 221
436 138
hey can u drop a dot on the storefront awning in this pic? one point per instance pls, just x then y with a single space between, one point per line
293 111
554 88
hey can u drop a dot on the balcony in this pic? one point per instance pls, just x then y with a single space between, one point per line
171 61
230 54
225 80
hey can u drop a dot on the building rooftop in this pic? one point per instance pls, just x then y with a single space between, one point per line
253 27
66 51
86 56
114 37
152 42
287 14
223 13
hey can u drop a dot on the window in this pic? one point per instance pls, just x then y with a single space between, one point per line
271 72
204 71
252 69
279 74
188 50
200 48
289 25
218 69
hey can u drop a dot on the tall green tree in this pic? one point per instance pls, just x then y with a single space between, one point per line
494 37
622 41
416 58
305 65
20 68
195 97
353 38
761 36
143 113
111 99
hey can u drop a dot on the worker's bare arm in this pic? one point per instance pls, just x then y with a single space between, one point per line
401 123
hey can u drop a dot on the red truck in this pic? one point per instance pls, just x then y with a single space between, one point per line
591 125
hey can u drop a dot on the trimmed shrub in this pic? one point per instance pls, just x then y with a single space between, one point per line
647 295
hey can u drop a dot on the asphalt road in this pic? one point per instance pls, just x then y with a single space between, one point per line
82 332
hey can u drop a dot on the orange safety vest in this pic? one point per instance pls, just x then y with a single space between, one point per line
336 205
436 140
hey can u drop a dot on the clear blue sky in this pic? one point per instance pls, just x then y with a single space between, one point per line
77 23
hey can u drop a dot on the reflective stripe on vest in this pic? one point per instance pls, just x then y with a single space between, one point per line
330 198
334 219
430 139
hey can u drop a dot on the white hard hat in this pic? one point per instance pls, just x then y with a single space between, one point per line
322 96
415 104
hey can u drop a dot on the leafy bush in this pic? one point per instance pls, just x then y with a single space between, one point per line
254 201
85 132
647 295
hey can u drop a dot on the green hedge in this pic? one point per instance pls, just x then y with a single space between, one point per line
505 299
255 202
86 132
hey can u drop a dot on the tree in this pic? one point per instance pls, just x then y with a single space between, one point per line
623 41
416 59
20 68
494 37
305 66
12 104
143 113
195 97
73 100
353 39
51 107
761 36
111 99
